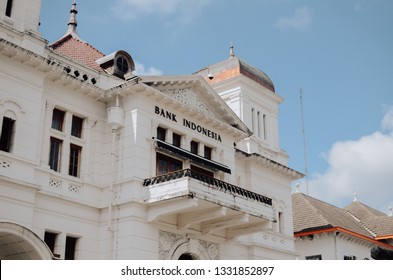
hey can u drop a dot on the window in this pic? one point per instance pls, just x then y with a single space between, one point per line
50 240
252 120
207 152
57 119
194 147
161 133
7 135
202 171
54 154
76 128
280 222
315 257
70 248
176 140
167 164
8 8
72 126
75 152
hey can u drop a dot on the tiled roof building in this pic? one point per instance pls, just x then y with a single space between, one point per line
328 232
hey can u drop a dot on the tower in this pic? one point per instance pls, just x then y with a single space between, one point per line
19 24
251 94
21 15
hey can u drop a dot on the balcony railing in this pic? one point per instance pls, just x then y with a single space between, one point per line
212 182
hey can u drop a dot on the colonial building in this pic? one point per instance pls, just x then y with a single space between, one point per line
98 163
326 232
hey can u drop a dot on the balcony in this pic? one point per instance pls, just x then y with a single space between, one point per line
190 200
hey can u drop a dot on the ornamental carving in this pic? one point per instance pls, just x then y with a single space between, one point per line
172 245
188 97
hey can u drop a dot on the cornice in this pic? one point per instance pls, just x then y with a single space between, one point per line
271 164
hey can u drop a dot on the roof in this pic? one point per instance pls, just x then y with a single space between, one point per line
232 67
311 214
78 50
380 224
72 46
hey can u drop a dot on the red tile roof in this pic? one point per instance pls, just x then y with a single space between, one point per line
78 50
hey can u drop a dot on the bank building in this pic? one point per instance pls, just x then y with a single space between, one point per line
98 163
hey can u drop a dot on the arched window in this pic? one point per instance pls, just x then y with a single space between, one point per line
188 256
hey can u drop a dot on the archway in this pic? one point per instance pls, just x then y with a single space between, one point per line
188 256
20 243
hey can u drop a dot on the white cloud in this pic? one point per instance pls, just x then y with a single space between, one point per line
363 166
141 70
172 11
387 121
300 20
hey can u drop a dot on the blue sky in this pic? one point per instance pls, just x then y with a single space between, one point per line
340 52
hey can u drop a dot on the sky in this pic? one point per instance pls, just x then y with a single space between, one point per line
338 52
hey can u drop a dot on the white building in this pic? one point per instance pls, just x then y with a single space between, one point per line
326 232
97 163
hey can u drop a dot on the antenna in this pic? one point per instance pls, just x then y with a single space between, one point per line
304 140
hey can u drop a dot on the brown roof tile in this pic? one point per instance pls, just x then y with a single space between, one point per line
311 214
377 222
78 50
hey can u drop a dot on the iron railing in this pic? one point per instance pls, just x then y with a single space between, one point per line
212 182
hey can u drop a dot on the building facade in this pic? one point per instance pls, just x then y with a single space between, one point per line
98 163
326 232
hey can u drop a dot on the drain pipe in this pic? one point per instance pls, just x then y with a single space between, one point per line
116 121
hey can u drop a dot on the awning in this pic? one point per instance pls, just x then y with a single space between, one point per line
193 157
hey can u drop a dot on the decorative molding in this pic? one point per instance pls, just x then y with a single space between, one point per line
188 97
5 164
173 245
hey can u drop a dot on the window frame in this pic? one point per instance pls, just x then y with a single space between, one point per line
74 160
58 117
207 152
55 167
176 140
7 134
170 164
161 133
194 147
77 126
313 257
8 9
70 247
50 239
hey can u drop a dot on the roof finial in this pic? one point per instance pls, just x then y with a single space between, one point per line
231 51
355 197
390 214
297 187
72 24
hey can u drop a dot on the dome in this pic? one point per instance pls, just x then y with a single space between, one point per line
233 67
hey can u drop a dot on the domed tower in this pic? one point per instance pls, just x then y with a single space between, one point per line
251 95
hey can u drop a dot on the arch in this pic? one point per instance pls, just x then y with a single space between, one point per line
188 256
12 105
191 249
20 243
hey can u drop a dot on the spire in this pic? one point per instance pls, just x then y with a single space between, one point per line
72 24
231 51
